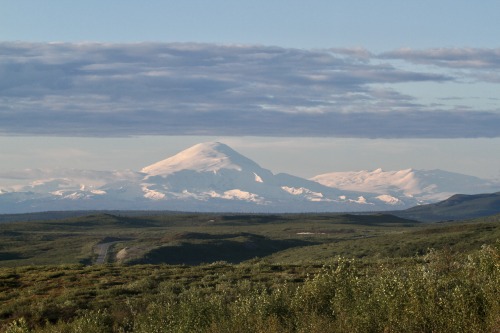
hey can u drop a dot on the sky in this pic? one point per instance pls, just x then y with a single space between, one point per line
304 87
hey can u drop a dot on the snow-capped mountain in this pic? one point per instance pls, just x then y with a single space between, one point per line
204 171
203 157
426 186
213 177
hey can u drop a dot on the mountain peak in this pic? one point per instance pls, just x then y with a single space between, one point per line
202 157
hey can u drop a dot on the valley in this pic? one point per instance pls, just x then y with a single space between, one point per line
193 239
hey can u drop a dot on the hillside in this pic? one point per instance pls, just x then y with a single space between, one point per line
457 207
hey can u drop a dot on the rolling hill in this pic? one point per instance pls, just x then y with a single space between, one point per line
457 207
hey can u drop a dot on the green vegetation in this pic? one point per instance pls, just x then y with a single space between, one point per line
250 273
438 292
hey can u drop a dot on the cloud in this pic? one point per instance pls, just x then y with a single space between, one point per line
449 57
98 89
75 176
479 64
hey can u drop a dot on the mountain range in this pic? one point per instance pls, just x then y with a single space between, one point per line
214 177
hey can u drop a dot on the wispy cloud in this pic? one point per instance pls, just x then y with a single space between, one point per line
93 89
74 176
479 64
449 57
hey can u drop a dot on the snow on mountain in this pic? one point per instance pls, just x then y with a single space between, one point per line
213 177
65 189
203 157
423 185
213 172
206 171
39 180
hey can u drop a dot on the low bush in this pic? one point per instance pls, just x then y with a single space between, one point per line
441 291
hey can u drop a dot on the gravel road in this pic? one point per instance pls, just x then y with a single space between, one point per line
102 252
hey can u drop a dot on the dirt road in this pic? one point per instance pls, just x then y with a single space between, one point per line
102 252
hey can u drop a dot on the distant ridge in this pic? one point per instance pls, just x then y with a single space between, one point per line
61 215
457 207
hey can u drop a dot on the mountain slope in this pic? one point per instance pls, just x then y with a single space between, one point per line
457 207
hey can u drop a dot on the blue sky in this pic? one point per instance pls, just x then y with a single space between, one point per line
376 25
347 85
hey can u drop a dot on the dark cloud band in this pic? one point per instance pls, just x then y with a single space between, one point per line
93 89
